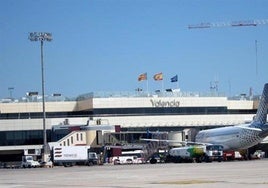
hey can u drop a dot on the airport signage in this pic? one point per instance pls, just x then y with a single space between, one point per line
162 103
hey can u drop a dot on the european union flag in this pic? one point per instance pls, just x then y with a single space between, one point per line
174 78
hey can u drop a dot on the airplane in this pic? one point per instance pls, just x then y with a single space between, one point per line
238 137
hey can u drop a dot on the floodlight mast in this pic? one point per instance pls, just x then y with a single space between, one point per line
43 36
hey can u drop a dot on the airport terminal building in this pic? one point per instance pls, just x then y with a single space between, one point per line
21 123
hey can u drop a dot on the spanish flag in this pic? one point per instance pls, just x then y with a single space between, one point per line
158 76
142 77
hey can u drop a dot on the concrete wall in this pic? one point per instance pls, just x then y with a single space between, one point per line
38 107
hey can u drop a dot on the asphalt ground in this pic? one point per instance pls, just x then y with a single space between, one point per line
225 174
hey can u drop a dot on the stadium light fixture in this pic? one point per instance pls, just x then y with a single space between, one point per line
42 36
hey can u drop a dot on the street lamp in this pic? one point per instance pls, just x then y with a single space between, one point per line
43 36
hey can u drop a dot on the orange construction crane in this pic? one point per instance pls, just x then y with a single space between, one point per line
206 25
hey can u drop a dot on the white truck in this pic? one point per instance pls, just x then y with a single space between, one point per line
197 153
74 155
29 162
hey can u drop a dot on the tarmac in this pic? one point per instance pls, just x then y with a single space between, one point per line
217 174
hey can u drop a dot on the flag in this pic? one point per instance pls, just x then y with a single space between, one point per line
158 76
142 77
174 78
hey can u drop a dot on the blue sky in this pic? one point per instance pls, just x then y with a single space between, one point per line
104 45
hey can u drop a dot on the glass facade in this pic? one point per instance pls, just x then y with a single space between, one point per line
13 138
39 115
161 111
129 112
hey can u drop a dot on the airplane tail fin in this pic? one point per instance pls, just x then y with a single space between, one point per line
261 114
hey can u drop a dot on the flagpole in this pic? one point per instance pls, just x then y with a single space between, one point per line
175 79
147 87
159 77
177 82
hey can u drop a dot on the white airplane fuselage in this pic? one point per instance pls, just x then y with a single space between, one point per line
242 136
231 138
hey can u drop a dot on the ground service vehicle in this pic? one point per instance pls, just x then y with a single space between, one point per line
124 160
74 155
197 153
29 162
232 155
137 154
129 157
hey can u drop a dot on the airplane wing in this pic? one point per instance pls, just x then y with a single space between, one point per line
159 140
176 141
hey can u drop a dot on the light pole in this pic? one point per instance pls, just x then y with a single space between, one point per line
42 36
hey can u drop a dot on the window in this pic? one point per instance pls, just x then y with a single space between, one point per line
29 137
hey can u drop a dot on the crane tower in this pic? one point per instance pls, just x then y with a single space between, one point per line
206 25
244 23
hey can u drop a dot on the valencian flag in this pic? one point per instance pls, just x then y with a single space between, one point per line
174 78
142 77
158 76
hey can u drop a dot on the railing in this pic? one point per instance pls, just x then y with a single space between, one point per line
153 147
104 94
149 94
73 139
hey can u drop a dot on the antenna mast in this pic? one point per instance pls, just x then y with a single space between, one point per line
256 50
